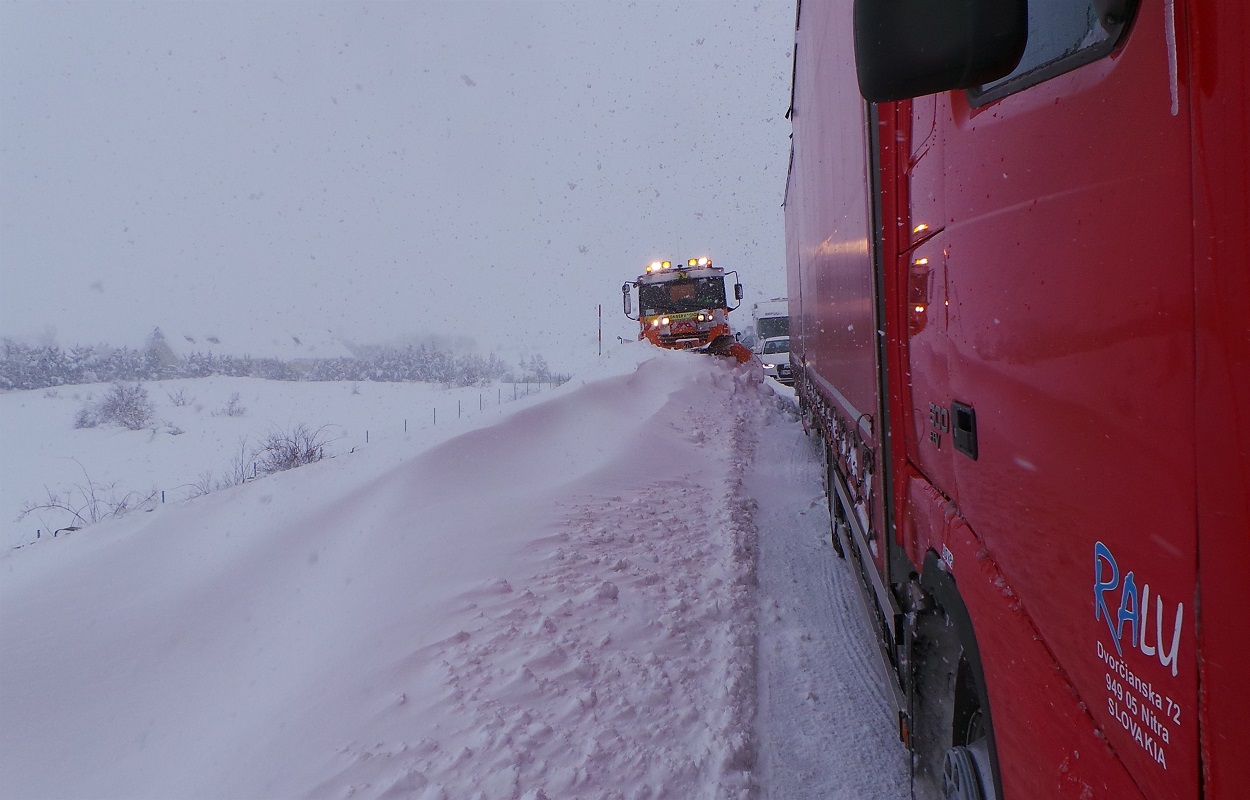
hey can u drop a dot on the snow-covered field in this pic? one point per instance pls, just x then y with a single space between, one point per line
619 588
193 439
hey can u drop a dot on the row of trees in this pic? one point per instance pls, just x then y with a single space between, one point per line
37 367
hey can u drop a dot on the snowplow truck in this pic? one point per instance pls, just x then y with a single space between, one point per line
685 307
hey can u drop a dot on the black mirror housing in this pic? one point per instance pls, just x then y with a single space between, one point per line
910 48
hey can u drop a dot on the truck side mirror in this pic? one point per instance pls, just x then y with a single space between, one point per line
737 291
909 48
629 305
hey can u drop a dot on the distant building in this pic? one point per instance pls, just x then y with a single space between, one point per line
172 344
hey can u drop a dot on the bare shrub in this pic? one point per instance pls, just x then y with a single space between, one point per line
242 467
202 485
179 398
232 408
86 417
165 426
283 450
278 451
91 502
128 406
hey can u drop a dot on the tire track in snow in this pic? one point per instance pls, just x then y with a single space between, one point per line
825 725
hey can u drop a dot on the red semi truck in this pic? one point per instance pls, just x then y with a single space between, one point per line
1020 322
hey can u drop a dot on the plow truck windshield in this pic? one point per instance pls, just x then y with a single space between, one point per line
693 294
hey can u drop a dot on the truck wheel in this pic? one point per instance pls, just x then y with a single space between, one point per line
838 526
953 728
966 773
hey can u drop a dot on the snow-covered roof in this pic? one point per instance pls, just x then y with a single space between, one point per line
285 345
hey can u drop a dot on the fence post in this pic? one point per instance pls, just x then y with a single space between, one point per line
405 426
366 436
457 408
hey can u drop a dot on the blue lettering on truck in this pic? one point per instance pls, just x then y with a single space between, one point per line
1130 612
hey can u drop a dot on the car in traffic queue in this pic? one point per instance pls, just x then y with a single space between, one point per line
774 354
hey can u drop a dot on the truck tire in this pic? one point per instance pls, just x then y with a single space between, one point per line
838 525
966 773
953 738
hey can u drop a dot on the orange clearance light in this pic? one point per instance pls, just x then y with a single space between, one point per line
919 309
694 262
921 228
920 262
666 265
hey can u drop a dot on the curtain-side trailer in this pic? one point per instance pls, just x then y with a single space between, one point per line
1020 323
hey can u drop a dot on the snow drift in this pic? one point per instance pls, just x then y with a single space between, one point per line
564 603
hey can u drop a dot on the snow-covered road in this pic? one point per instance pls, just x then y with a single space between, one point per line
623 589
825 724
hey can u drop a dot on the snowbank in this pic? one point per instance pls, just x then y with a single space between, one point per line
564 602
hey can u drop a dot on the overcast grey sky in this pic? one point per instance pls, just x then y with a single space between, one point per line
381 170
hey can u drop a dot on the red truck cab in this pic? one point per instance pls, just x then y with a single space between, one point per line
1020 320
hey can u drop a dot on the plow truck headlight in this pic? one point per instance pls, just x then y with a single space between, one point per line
665 321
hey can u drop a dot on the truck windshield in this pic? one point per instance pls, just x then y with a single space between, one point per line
768 327
692 294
